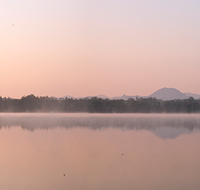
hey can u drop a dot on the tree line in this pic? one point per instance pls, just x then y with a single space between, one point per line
33 103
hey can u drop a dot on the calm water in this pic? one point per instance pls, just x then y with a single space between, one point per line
99 151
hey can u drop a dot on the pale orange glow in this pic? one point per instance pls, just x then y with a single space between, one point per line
91 48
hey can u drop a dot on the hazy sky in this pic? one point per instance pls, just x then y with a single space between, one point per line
111 47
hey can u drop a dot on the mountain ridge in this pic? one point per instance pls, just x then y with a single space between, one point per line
163 94
168 94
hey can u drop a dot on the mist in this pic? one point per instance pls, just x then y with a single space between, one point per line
162 125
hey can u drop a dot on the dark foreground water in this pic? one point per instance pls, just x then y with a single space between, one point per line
99 151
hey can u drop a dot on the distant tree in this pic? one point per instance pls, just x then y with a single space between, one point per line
29 104
32 103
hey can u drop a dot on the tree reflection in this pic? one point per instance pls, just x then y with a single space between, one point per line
165 126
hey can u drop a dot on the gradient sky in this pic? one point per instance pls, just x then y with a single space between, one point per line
111 47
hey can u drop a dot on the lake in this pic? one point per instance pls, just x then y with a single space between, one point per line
50 151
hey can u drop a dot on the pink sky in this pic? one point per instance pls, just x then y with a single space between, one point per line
83 48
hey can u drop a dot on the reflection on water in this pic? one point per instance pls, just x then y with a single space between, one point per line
99 151
162 125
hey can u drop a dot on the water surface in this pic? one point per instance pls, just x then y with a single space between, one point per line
99 151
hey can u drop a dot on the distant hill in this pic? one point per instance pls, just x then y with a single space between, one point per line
163 94
68 96
195 96
103 96
124 97
168 94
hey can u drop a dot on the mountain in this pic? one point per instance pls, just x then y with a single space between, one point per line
195 96
98 96
168 94
68 96
124 97
163 94
103 96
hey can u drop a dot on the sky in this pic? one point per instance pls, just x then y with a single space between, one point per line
91 47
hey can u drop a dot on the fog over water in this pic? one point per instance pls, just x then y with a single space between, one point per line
162 125
99 151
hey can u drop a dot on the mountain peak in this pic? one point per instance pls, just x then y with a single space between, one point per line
163 94
168 94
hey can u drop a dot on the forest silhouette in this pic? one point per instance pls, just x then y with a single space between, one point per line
32 103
